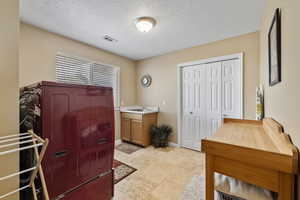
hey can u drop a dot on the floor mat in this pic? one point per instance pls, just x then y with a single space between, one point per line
128 148
121 171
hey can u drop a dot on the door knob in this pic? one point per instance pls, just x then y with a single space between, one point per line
191 112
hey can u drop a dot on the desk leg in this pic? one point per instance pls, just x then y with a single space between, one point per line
209 174
286 186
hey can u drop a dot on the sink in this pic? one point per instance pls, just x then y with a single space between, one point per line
139 109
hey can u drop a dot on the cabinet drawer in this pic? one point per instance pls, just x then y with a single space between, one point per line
132 116
98 189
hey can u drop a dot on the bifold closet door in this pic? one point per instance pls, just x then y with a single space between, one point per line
193 107
210 92
231 89
213 97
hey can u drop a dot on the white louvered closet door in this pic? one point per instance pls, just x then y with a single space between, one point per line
193 121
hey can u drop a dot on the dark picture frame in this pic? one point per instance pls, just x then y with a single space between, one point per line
274 39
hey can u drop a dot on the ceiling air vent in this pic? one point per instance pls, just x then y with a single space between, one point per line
109 39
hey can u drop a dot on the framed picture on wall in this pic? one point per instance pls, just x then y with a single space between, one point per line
275 50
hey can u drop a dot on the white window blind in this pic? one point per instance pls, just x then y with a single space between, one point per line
102 75
70 69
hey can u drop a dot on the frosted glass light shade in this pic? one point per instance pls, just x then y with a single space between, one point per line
145 24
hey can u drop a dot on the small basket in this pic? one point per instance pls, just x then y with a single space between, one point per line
224 196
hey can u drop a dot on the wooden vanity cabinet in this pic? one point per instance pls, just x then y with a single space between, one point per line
126 129
135 128
137 135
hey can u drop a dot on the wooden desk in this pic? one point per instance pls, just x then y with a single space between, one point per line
252 151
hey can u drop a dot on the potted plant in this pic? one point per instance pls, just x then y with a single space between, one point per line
160 135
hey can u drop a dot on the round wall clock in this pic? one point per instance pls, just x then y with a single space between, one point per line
146 80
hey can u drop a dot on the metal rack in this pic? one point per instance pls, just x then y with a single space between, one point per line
10 144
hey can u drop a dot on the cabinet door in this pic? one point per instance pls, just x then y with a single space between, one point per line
126 129
58 128
137 135
94 129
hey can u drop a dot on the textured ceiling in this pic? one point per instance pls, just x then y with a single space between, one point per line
180 23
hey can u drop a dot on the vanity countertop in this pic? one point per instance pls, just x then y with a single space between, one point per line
139 109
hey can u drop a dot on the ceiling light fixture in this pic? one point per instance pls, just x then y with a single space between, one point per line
145 24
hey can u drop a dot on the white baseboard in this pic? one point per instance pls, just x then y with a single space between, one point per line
117 142
172 144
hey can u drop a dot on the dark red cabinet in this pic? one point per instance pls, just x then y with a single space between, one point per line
94 190
60 163
79 123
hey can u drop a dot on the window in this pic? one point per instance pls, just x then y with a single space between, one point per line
71 69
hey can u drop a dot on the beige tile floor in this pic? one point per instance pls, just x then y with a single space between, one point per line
162 174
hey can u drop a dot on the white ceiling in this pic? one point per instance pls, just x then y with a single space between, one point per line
180 23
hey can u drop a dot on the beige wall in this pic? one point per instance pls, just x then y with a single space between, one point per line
37 60
282 100
163 70
9 115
